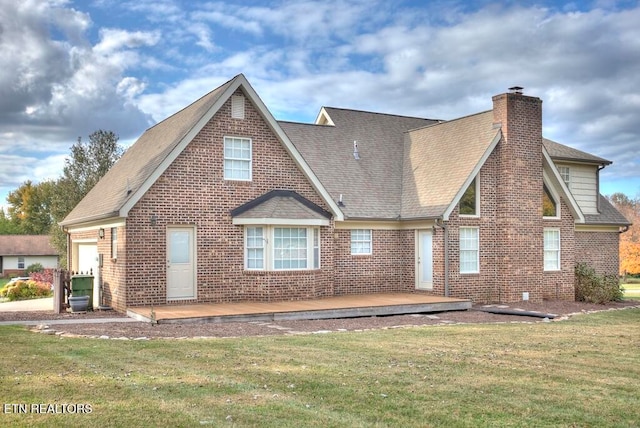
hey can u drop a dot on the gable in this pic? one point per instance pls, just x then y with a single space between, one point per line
281 206
441 161
145 162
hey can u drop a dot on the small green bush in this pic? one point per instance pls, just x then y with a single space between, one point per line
36 267
594 288
23 290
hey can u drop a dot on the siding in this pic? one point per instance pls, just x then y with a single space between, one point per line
583 186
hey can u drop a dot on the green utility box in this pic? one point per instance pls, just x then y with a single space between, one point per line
82 285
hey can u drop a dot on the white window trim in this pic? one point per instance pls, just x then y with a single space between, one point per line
366 240
21 261
246 248
558 250
556 199
568 174
268 234
225 158
477 185
477 249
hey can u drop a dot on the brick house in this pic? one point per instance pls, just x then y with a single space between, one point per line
18 252
222 203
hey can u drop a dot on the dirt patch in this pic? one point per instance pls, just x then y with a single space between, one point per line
142 330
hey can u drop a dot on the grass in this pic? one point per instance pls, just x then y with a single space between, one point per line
581 372
631 290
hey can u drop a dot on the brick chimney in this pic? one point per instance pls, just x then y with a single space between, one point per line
519 196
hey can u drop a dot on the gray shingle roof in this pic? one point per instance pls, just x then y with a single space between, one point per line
281 204
140 161
439 159
26 245
559 151
408 167
609 215
371 186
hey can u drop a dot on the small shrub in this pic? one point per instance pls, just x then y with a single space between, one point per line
36 267
45 275
23 290
593 288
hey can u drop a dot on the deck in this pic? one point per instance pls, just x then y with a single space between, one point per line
331 307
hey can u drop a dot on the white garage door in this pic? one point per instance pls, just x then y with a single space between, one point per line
88 262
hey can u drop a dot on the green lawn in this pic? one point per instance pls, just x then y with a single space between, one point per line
576 373
631 291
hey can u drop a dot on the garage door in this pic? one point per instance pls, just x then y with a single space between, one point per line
88 262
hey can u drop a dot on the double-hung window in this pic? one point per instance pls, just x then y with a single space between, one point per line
469 250
254 248
551 249
282 248
237 158
360 241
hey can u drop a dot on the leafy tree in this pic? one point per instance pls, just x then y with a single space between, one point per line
7 227
87 163
30 207
630 240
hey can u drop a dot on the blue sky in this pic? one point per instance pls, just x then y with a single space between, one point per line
68 68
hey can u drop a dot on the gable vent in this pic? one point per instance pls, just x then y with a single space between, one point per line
237 107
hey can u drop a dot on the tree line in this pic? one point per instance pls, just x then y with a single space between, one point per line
630 240
37 208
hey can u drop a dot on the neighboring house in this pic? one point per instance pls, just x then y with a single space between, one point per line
220 203
18 252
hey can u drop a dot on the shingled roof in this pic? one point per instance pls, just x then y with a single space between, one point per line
560 152
26 245
371 186
405 168
137 164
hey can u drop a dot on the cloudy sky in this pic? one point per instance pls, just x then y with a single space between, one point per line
68 68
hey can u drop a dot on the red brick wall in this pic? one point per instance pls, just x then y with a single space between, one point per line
599 250
192 192
388 269
114 270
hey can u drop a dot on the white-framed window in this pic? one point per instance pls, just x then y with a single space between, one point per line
565 173
361 241
282 248
237 158
290 248
470 201
469 250
20 262
549 204
551 249
254 247
114 243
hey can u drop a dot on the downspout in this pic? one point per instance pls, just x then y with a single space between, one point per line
600 168
442 226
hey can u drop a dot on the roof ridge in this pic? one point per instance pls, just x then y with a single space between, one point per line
378 113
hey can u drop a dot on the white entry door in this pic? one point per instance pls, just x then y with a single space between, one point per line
424 260
180 263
